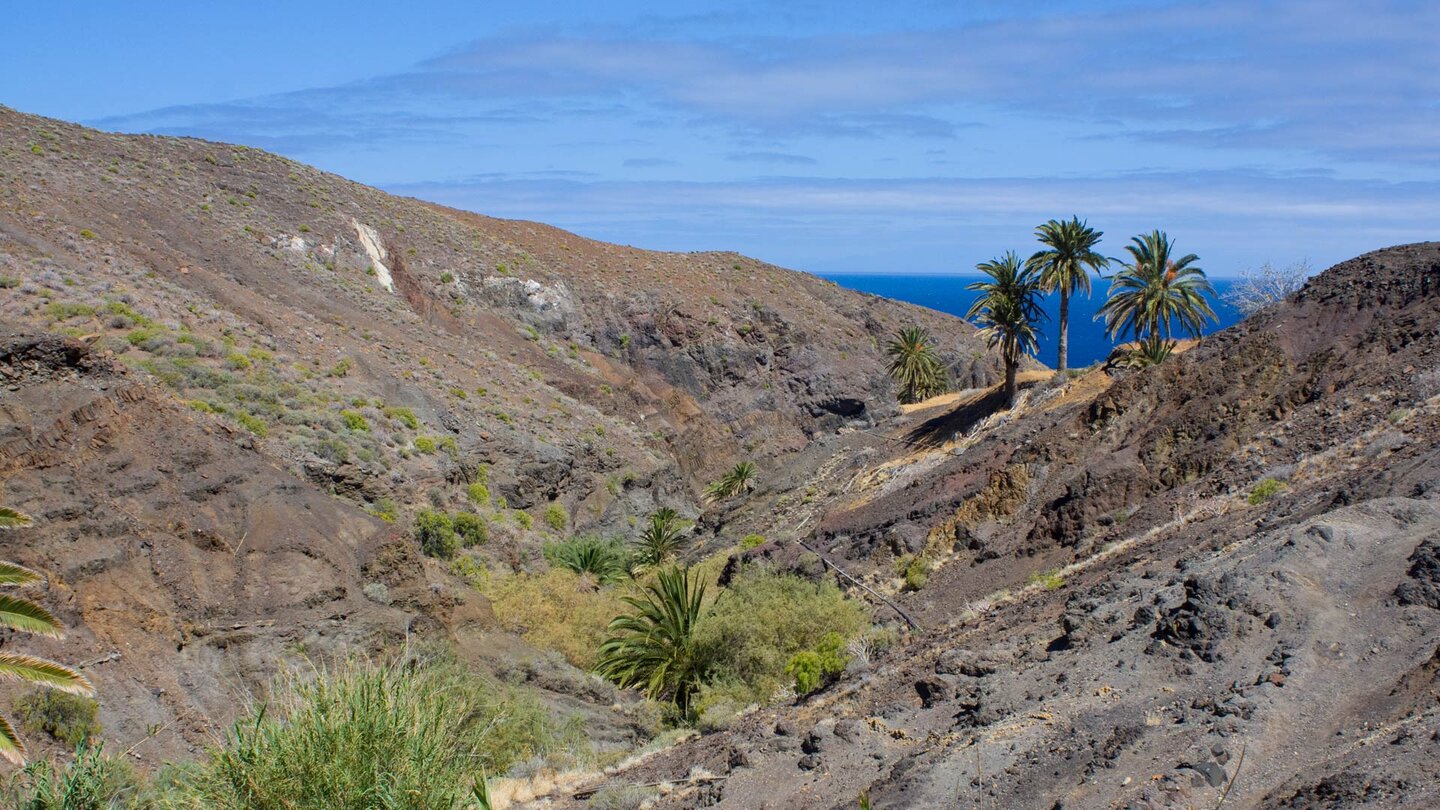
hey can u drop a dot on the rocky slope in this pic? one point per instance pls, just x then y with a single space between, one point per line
216 361
1213 580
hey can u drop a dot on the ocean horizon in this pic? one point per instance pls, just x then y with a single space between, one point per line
1088 342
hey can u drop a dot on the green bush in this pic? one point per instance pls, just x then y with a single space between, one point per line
479 494
914 570
472 529
751 541
425 444
764 620
394 736
237 361
405 415
524 519
556 518
435 532
812 669
70 719
355 421
250 422
1264 491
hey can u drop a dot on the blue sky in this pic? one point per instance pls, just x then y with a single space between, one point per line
828 136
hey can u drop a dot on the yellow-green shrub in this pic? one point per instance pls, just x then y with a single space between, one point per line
558 610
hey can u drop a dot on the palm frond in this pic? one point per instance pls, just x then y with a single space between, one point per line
13 519
739 479
12 574
29 669
11 749
652 647
22 614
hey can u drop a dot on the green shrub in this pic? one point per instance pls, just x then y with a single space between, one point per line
1049 580
812 669
86 233
391 736
556 610
764 620
237 361
250 422
70 719
446 278
1264 491
556 518
914 570
58 311
479 494
472 529
425 444
436 534
355 421
9 282
405 415
341 368
751 541
525 520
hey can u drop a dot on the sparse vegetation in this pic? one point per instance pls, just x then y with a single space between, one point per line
70 719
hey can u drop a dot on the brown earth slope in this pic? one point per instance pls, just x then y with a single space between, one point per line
1120 612
259 353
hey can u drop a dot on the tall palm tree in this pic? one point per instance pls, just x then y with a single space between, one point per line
1156 295
654 647
914 365
1007 311
1070 251
24 615
662 536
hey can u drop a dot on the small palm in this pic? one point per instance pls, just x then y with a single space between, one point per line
740 478
24 615
914 366
661 538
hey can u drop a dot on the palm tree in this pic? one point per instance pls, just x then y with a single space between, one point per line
1006 312
1070 252
740 478
914 365
606 561
1153 289
22 614
654 646
662 536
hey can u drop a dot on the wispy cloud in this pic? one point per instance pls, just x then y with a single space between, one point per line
770 157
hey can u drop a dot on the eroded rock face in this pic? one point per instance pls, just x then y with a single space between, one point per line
1423 585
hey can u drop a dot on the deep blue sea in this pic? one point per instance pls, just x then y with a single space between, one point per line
1087 336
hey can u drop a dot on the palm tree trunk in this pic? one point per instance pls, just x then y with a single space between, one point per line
1063 339
1011 386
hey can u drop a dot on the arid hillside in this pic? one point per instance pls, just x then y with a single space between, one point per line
217 361
1212 580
